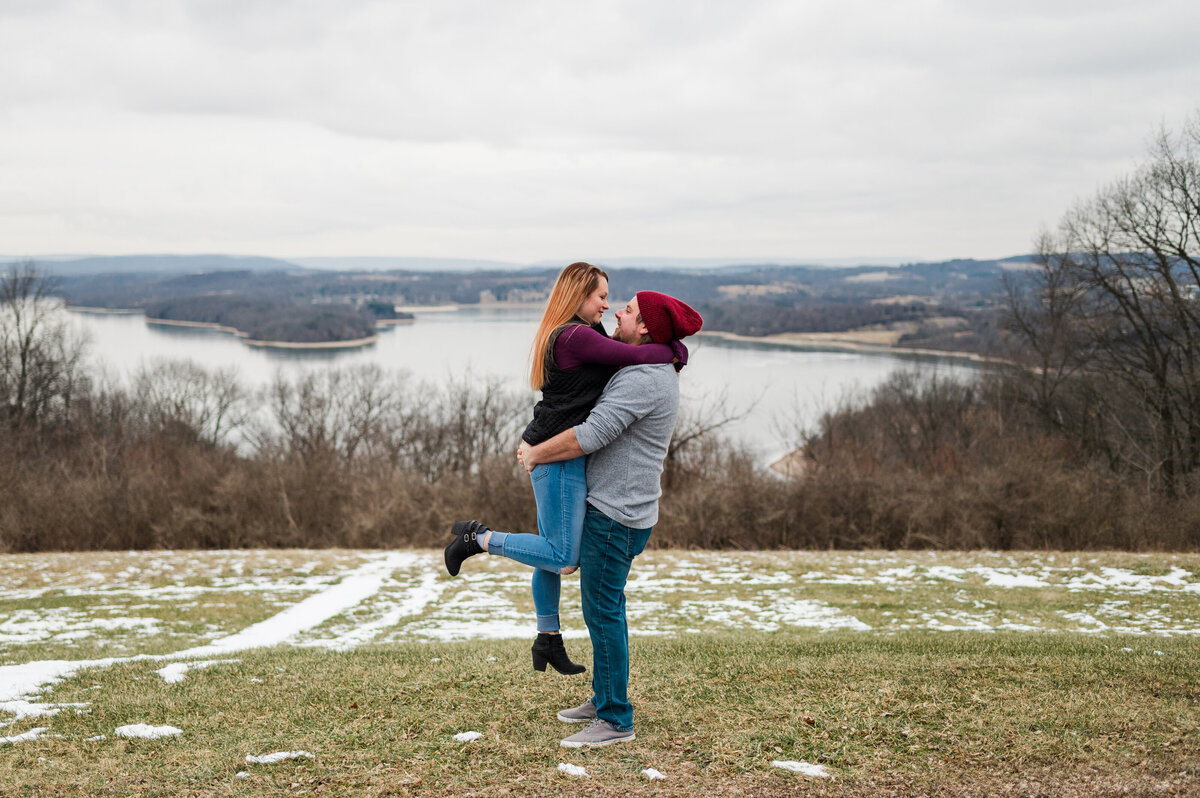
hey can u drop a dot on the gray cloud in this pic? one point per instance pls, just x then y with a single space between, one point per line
512 129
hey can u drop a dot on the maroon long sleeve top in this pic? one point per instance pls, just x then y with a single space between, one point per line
580 344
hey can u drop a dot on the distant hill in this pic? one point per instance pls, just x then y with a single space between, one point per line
950 304
74 265
385 264
963 282
734 262
163 264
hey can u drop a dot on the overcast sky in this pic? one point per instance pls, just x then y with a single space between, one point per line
530 131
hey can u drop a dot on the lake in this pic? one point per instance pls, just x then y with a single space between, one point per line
779 389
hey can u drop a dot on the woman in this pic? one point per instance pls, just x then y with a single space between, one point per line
572 359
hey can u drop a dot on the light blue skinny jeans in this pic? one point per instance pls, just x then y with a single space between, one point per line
560 490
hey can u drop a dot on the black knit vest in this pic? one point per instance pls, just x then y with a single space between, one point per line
567 396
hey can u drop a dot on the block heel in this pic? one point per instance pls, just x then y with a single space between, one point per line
548 649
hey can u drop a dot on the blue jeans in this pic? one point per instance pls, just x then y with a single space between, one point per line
560 490
607 552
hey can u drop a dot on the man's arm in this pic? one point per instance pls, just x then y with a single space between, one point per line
563 446
624 401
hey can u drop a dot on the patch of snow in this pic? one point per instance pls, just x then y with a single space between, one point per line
653 775
146 732
476 630
22 709
814 614
1008 578
475 614
355 587
838 579
1009 626
241 774
1125 580
32 734
956 621
20 682
278 756
945 572
1094 624
806 768
467 736
177 671
572 770
733 612
1177 577
731 574
413 601
65 624
96 739
175 592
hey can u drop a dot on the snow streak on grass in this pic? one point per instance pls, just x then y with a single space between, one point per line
752 669
87 606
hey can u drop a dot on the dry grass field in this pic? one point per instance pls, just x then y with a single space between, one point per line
879 673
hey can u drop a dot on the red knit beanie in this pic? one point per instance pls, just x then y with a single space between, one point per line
666 317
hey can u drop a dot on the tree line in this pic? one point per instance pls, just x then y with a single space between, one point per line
186 457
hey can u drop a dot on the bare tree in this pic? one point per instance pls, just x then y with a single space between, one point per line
1043 309
182 395
1116 311
696 434
40 354
462 423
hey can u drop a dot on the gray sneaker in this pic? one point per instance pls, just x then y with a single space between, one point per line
598 733
580 714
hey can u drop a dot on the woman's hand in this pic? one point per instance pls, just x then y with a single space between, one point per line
526 457
681 354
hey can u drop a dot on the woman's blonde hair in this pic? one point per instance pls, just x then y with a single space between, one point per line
574 284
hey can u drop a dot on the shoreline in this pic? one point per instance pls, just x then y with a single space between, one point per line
351 344
845 342
849 342
102 311
354 343
427 308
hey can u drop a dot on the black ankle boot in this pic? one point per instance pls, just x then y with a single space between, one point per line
549 648
465 544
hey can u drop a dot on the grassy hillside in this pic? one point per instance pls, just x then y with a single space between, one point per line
897 674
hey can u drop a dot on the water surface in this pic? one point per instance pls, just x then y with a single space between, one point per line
779 390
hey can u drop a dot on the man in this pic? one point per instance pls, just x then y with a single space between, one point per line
626 437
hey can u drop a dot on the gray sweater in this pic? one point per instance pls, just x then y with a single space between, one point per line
626 439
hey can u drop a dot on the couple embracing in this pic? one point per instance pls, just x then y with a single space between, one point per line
594 452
